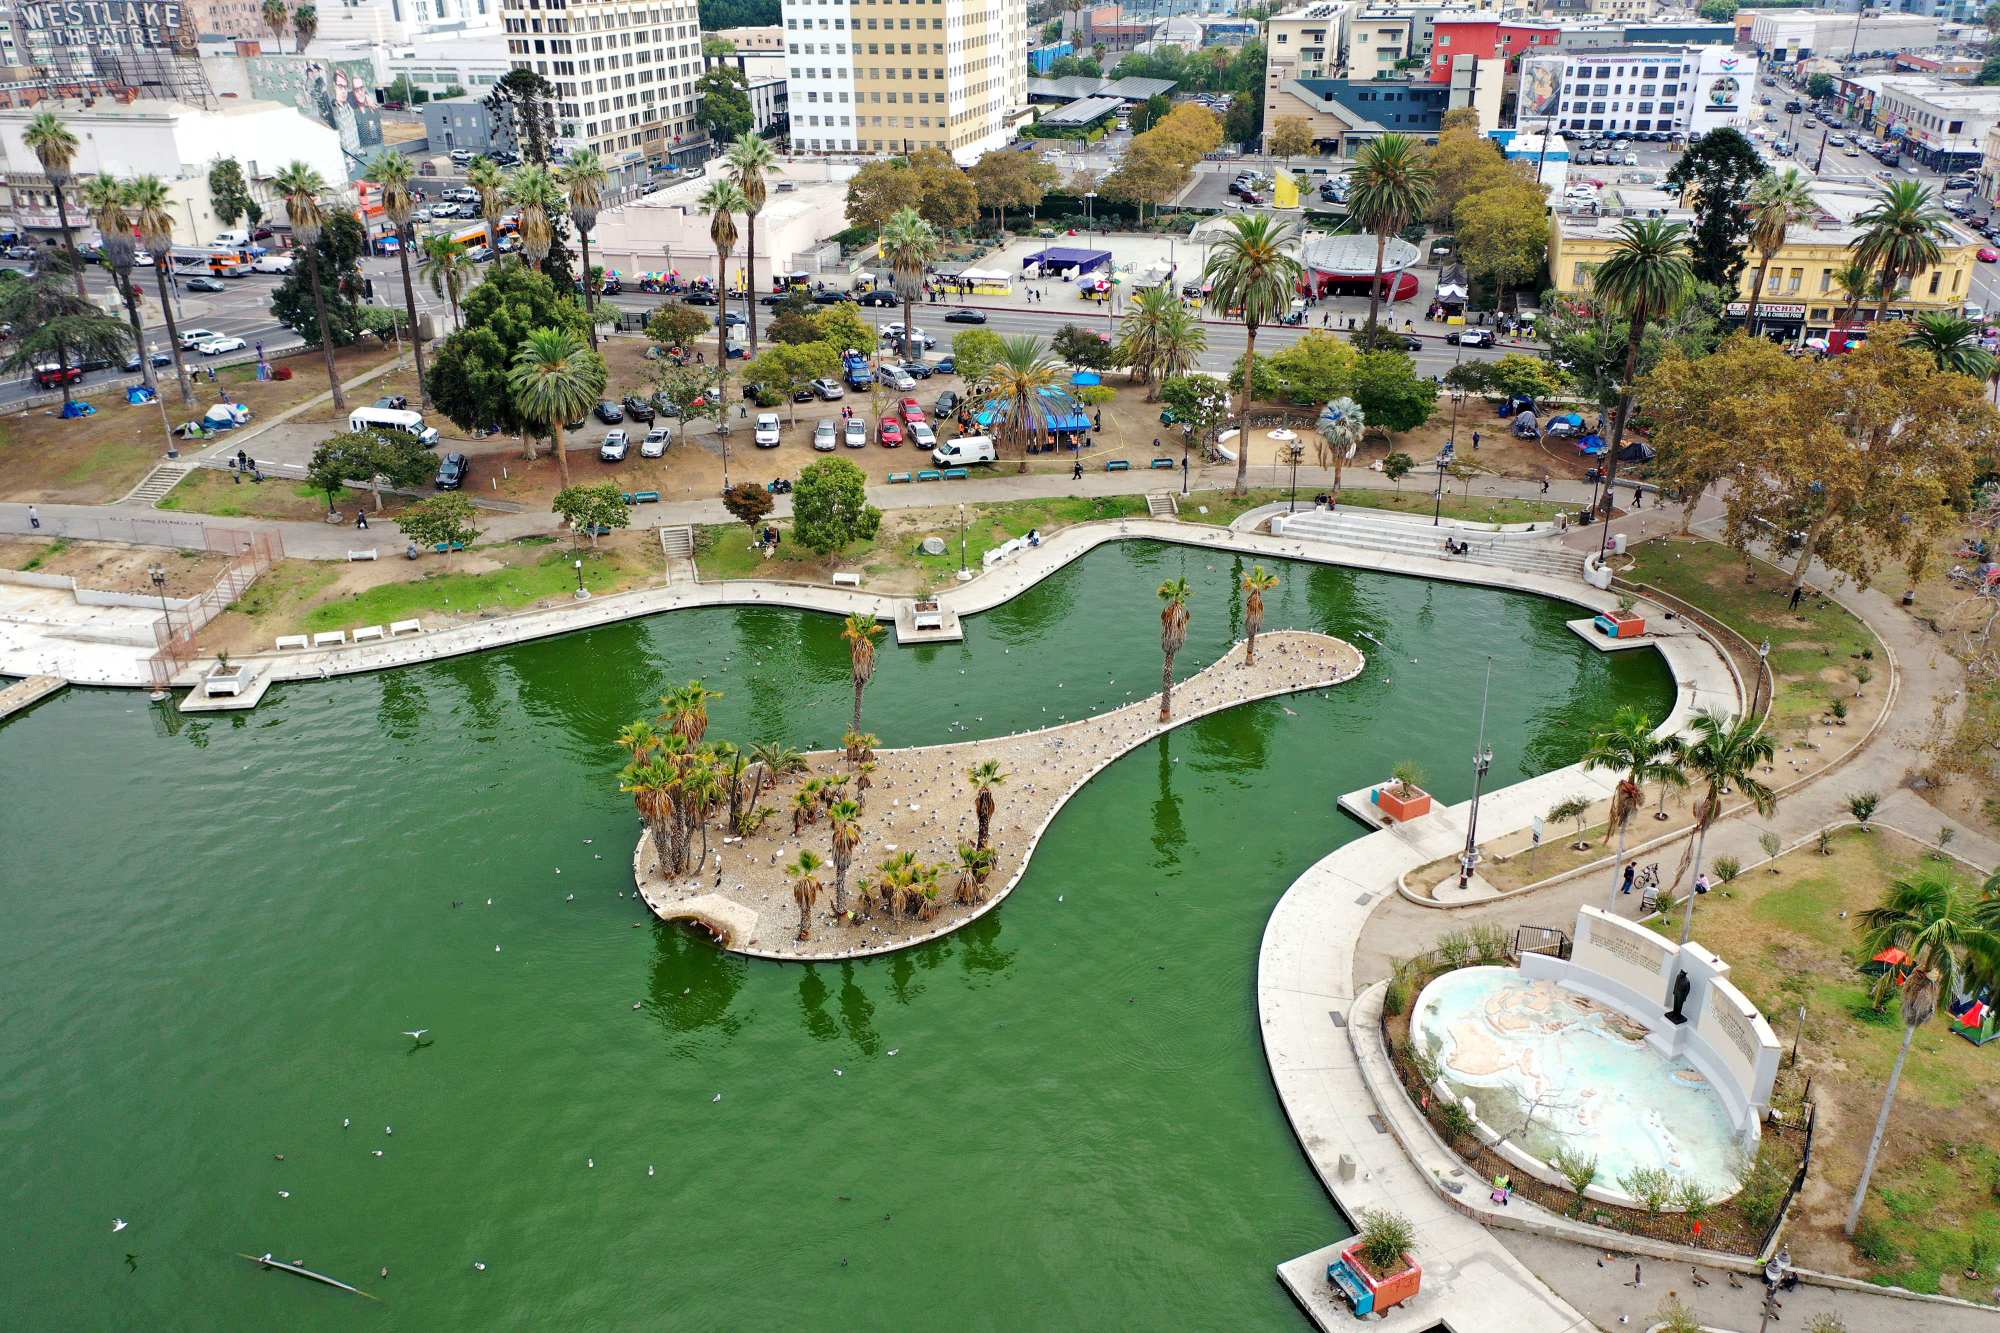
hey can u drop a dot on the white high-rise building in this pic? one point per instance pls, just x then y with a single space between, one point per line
872 77
624 74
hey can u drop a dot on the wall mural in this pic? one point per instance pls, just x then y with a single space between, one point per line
337 93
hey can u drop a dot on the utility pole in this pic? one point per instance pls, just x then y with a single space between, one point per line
1482 759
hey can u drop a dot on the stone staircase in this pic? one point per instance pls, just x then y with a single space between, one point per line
153 487
1531 553
677 544
1163 504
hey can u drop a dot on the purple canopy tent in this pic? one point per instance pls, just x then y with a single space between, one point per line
1065 257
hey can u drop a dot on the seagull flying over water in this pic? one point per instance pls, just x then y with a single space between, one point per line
118 1224
418 1035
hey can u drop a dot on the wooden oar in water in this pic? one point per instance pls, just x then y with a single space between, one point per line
267 1261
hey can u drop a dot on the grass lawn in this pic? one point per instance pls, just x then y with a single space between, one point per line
1819 654
468 594
209 491
1790 939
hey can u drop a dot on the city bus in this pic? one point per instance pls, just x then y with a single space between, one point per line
190 262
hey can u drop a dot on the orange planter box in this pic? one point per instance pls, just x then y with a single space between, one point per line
1402 808
1617 625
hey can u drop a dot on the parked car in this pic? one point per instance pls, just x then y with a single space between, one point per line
947 403
205 285
272 263
828 390
826 435
946 365
912 411
916 338
897 380
922 436
766 434
217 346
917 369
637 408
891 433
665 406
729 318
615 444
829 298
451 471
966 317
856 434
878 298
656 442
609 412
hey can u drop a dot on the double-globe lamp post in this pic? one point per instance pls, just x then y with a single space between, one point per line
1482 760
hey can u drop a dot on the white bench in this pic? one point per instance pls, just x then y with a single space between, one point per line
846 580
292 641
369 554
405 627
333 638
368 633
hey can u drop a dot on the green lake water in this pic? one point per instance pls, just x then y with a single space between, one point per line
216 930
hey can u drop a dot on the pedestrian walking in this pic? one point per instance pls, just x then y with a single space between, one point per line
361 519
1475 439
1637 498
34 517
1798 595
1631 872
1076 472
1545 485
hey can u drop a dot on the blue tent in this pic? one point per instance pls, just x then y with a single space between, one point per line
1062 257
1086 377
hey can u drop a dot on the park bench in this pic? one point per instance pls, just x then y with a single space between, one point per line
405 627
443 547
846 579
929 474
955 474
647 497
1167 463
1118 465
333 638
368 634
898 476
288 641
368 554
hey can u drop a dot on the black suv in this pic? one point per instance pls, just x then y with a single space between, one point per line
610 413
451 472
638 408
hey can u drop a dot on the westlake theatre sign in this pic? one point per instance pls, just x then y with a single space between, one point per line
103 22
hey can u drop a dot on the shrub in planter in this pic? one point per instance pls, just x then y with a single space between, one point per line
1385 1241
1403 798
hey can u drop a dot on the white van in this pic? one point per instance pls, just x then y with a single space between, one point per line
967 449
230 240
388 419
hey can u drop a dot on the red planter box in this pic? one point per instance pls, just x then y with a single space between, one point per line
1618 625
1368 1293
1402 808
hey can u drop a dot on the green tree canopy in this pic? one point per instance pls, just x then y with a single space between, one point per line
468 374
975 351
592 507
1081 347
439 521
676 325
722 105
1715 176
340 247
1392 396
830 506
228 194
790 367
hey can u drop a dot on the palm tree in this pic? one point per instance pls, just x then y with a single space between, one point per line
639 739
1952 935
1900 236
1953 343
844 824
1393 185
1021 384
652 786
55 148
104 197
984 777
584 177
1252 270
1647 276
448 268
974 865
305 27
721 201
532 191
1256 583
391 170
277 18
804 874
1726 753
555 379
773 760
749 160
1776 201
484 175
152 213
1161 338
1858 283
910 245
1174 593
1632 747
1180 341
302 189
860 632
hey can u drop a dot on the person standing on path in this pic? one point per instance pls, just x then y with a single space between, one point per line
1798 595
1631 870
34 518
1475 440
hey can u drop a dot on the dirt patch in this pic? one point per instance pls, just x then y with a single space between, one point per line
231 495
113 566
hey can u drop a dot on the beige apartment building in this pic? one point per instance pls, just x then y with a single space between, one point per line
624 74
876 76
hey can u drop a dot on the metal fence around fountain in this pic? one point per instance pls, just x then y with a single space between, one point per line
1798 1177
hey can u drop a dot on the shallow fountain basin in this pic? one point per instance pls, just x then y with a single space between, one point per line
1543 1067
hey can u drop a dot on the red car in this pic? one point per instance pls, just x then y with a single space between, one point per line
913 411
1987 254
892 434
54 377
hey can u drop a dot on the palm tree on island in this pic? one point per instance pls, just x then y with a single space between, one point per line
304 193
860 631
804 874
984 777
974 865
1256 583
1393 185
54 146
1631 746
555 379
1952 935
1647 277
844 824
1174 593
748 161
1252 270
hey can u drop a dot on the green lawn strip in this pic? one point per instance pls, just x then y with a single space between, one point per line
1821 636
468 594
1790 938
290 584
210 491
991 525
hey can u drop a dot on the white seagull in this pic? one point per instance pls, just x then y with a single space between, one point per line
839 1072
716 1098
897 1051
418 1035
118 1224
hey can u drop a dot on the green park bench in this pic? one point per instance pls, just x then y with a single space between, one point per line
955 474
929 474
443 548
647 497
898 476
1118 465
1167 463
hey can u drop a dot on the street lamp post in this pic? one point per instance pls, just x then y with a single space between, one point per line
1437 506
963 572
158 574
1293 453
1763 660
1088 195
581 591
1482 760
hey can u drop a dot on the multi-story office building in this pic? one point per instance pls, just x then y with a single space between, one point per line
1637 89
623 73
869 76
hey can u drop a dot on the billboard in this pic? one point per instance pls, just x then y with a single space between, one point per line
336 93
1541 90
103 22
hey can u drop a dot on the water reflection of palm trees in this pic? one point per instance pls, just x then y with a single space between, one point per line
1169 830
694 985
813 992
